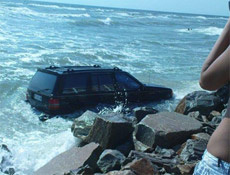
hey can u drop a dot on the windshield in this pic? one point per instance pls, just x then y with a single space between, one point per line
43 82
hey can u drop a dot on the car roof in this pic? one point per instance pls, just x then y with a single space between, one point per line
76 69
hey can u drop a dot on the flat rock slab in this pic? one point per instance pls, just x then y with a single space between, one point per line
166 129
70 160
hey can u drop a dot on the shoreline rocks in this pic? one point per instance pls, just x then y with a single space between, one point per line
152 142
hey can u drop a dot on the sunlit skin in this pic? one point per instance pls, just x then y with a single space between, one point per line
216 73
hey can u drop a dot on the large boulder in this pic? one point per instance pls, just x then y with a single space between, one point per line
82 125
166 129
201 101
71 160
110 131
110 160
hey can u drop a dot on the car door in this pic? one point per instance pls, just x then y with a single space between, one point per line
75 90
128 88
102 88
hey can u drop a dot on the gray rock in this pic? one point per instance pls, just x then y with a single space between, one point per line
193 150
125 172
141 112
72 160
196 115
223 93
110 160
201 136
166 129
110 131
165 153
82 125
201 101
213 114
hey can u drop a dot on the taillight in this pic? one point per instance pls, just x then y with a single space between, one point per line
54 104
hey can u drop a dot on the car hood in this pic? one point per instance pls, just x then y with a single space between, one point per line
154 86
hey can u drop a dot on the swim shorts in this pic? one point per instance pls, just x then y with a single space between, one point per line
211 165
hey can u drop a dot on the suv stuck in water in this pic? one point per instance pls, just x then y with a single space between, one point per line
59 90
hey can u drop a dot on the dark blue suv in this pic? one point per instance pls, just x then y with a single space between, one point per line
58 90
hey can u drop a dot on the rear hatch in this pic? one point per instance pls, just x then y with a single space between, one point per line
41 91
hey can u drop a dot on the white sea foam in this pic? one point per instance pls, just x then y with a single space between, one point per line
209 30
58 7
206 31
201 17
106 21
123 14
28 12
70 15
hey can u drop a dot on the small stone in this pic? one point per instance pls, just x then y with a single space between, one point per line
141 167
110 160
141 112
213 114
204 119
125 172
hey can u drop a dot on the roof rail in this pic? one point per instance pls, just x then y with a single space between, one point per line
116 68
51 67
96 65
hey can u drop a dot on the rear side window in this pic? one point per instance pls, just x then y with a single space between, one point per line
75 84
42 81
125 81
102 82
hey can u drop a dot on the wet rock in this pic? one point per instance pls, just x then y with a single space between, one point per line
82 125
201 101
141 112
193 150
166 129
110 160
125 172
72 160
141 167
110 131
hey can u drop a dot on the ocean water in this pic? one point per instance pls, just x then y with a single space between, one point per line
155 47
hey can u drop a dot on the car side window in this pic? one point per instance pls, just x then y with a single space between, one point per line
126 82
75 84
102 82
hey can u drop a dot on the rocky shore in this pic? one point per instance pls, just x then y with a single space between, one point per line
143 142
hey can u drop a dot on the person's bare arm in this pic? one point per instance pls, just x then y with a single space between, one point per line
215 71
